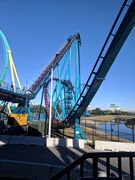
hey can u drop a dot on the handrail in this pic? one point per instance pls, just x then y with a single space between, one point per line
95 156
7 93
9 87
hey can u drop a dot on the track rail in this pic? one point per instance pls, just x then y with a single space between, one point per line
6 91
104 63
40 81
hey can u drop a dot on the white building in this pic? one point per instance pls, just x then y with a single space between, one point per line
89 108
114 108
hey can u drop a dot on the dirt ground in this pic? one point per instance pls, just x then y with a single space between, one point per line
90 134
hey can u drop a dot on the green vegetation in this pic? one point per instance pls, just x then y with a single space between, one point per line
98 111
36 108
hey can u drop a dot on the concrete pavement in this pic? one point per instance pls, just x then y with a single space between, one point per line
35 162
38 162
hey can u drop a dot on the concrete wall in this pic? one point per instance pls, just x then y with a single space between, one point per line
114 146
32 140
52 142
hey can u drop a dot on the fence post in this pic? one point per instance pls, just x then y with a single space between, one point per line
111 130
105 130
93 139
133 133
63 129
45 128
85 125
118 132
95 127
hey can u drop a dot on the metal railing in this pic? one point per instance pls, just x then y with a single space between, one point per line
9 87
97 158
115 130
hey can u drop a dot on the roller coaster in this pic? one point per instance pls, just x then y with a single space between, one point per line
69 99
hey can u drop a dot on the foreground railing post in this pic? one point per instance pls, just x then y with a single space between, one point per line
68 175
108 166
119 168
131 168
81 169
95 167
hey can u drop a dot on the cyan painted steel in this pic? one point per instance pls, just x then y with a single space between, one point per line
6 48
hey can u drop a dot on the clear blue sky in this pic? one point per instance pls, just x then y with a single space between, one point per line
36 29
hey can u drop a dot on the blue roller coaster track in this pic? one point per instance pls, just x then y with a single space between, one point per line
104 62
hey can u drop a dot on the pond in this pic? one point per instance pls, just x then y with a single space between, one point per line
119 129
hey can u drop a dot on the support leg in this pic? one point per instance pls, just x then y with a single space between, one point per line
77 129
78 133
28 110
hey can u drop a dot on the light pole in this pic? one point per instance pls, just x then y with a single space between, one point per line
50 112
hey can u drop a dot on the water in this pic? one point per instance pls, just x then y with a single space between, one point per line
36 117
118 129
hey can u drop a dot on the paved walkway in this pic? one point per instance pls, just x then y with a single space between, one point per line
39 163
36 162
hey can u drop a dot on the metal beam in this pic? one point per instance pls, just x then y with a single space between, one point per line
120 37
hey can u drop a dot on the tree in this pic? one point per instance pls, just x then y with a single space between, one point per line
97 111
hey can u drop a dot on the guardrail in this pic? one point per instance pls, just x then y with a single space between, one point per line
96 157
9 87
